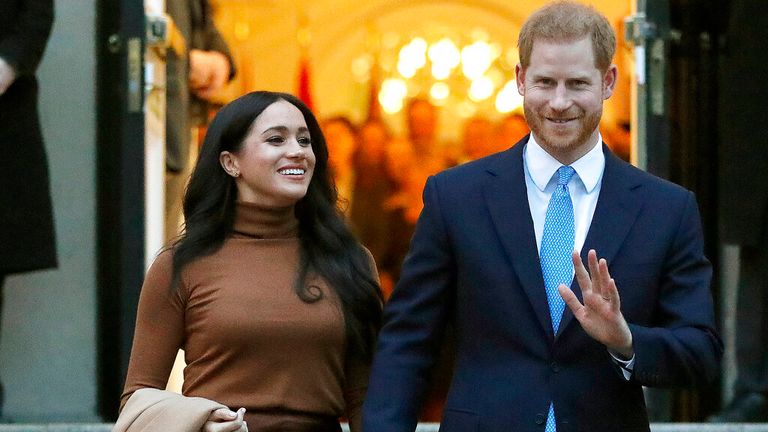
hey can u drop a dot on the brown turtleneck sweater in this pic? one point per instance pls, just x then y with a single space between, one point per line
249 340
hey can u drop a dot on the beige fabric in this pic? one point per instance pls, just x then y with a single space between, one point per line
153 410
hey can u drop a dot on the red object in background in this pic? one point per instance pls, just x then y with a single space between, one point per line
304 91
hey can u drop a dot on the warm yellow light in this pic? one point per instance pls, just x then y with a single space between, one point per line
361 67
481 89
242 30
419 45
512 57
508 98
479 33
440 72
440 91
466 109
389 40
444 53
476 59
406 69
391 95
392 106
497 76
304 37
412 56
495 50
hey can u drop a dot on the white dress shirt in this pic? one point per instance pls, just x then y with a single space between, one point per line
584 189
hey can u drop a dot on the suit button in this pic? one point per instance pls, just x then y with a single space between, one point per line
540 419
555 367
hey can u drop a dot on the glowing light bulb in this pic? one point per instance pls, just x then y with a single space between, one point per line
440 91
508 98
481 89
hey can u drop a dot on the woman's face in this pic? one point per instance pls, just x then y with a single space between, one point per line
275 164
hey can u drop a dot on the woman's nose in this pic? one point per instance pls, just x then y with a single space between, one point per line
296 150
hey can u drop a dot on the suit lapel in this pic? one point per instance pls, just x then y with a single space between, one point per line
617 208
507 201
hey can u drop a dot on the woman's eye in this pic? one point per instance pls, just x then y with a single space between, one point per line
275 139
305 141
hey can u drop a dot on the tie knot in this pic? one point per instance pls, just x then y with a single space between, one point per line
564 174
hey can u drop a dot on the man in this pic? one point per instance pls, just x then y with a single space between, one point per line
744 201
194 76
27 239
492 253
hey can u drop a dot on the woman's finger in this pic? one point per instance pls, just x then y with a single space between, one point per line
222 414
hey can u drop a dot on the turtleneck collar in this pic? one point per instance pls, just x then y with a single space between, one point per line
254 220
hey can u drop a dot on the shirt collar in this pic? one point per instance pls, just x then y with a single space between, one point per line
542 166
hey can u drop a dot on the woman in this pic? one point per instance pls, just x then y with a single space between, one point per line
274 301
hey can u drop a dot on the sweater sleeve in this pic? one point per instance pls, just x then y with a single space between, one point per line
357 371
159 329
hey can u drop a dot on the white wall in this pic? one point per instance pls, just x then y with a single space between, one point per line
48 341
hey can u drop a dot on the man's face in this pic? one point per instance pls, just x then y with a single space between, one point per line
563 95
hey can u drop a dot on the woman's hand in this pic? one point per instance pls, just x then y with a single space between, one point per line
225 420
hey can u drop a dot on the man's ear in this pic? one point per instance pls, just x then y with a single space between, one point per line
520 78
609 81
228 161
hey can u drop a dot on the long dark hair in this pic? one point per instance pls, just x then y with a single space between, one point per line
328 248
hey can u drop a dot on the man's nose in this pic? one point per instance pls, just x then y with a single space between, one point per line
561 99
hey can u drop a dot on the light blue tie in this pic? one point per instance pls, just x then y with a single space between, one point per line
556 246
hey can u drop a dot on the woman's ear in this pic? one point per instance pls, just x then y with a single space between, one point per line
228 161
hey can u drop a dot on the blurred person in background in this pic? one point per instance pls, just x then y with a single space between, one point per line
197 69
477 139
341 137
511 129
372 188
743 197
27 238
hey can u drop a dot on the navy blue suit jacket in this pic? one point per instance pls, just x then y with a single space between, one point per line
473 262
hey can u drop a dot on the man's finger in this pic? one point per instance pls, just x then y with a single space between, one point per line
605 274
582 277
614 293
598 279
592 263
571 300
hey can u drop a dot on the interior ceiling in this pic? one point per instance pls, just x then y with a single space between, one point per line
263 35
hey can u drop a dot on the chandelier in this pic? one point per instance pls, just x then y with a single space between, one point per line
473 77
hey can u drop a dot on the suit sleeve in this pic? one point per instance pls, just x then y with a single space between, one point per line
682 349
24 45
414 322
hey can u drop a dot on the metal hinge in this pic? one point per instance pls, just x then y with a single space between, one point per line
638 29
157 30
